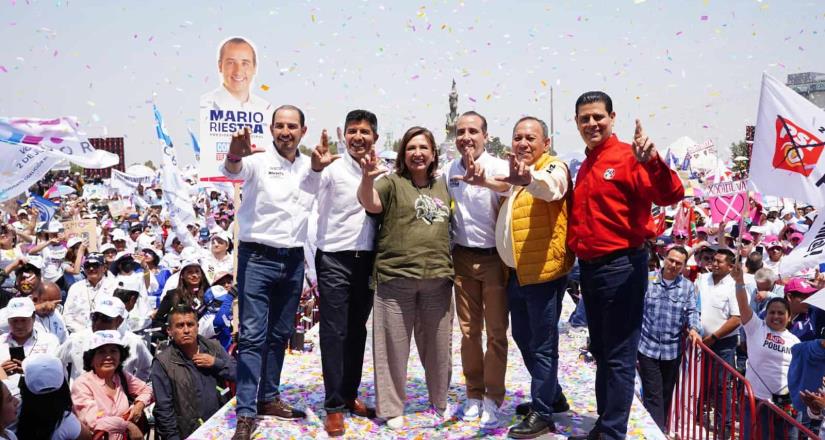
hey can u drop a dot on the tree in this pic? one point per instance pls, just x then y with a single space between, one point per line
149 164
396 144
740 149
306 151
496 148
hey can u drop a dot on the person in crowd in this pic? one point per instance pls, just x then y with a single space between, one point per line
23 340
46 410
806 321
187 377
8 412
108 314
805 376
775 250
609 224
815 401
75 252
720 321
218 258
531 233
191 288
47 315
769 352
9 254
109 252
105 397
670 310
128 274
81 298
413 271
480 279
53 251
120 239
279 187
763 288
344 265
150 263
216 323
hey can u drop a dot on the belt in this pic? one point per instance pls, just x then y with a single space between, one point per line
479 251
613 255
264 249
354 254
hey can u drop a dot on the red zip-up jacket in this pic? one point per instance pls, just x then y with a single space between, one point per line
613 197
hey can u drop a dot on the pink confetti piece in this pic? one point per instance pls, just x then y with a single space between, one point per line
55 53
704 18
414 77
679 33
3 69
471 98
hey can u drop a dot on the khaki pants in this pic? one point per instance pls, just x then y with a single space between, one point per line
403 307
481 301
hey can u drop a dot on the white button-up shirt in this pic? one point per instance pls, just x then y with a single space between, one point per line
718 302
343 224
277 197
80 302
476 207
39 342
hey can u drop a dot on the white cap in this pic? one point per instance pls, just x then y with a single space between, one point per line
786 211
22 211
189 253
758 230
118 235
223 235
73 241
110 306
107 247
129 282
43 373
187 263
54 227
36 261
123 254
106 337
20 307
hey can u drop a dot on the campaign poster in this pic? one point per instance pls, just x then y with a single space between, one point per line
85 229
232 107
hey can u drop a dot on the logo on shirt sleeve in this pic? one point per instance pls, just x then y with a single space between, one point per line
609 174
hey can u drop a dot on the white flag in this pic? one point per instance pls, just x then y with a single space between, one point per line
58 138
809 253
126 184
788 144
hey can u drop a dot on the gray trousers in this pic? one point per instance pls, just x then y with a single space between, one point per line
403 307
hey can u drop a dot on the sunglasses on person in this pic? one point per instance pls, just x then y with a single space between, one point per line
92 266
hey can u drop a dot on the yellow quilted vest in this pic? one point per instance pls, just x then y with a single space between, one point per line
539 231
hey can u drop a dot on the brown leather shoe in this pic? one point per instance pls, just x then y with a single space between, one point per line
245 427
334 424
280 410
359 408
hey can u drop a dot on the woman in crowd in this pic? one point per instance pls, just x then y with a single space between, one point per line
154 277
192 286
414 273
46 402
107 398
75 251
8 411
9 253
218 259
769 353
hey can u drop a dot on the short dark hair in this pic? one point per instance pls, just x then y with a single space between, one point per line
362 115
125 295
542 124
401 166
780 300
729 255
180 309
476 114
754 262
89 354
289 107
679 249
238 40
594 96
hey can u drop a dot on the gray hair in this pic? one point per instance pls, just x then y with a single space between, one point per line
765 274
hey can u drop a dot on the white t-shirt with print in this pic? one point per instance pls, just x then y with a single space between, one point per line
769 357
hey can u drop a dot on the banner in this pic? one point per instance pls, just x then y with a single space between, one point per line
231 108
788 144
126 184
727 208
31 147
726 188
85 229
119 207
91 192
809 253
45 210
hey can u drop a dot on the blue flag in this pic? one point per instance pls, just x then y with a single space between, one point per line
45 208
195 145
159 127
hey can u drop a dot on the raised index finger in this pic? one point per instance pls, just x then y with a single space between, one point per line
324 138
639 130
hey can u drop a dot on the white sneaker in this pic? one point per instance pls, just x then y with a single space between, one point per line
446 413
472 409
489 414
395 423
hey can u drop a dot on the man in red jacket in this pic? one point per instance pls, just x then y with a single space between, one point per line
610 224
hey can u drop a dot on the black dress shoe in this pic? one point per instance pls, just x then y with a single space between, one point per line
531 427
592 435
559 406
524 408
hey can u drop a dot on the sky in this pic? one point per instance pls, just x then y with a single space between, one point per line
684 68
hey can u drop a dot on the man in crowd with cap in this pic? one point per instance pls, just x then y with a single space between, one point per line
108 314
24 339
773 223
775 250
81 298
188 377
120 240
807 322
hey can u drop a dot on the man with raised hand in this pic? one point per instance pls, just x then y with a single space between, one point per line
480 276
531 234
616 185
344 264
279 186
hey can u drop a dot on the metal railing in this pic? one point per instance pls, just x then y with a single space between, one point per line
772 422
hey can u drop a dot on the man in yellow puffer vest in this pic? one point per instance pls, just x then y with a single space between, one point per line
531 234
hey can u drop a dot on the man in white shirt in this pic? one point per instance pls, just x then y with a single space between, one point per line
279 186
81 298
720 321
46 313
480 279
24 339
344 264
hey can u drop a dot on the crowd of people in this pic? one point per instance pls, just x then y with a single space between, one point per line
96 335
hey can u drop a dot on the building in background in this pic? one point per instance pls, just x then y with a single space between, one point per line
811 85
112 145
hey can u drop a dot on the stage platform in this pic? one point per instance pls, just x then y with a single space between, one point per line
302 386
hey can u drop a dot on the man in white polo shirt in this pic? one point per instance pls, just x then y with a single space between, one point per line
24 339
344 264
720 320
278 192
480 281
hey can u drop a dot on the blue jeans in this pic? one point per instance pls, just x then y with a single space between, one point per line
534 321
613 290
270 282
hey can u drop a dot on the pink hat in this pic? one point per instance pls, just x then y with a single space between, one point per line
747 236
796 235
799 285
772 241
680 233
